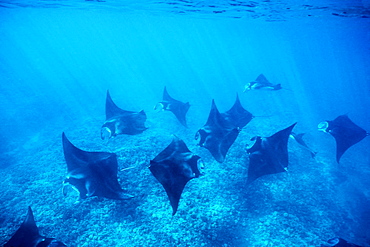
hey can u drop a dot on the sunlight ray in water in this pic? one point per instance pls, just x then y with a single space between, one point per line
99 72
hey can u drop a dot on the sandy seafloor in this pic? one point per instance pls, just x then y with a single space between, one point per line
53 70
298 208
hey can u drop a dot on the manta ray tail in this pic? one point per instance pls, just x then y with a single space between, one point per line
264 116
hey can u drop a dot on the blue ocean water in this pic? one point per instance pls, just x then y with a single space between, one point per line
57 59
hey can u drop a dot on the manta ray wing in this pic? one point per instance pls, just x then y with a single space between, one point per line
112 110
217 135
269 155
340 242
263 80
346 134
299 139
237 115
167 97
120 121
92 173
178 108
27 234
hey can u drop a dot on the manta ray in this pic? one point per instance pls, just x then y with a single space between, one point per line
92 173
178 108
339 242
120 121
345 132
237 115
219 132
261 83
299 139
28 235
269 155
173 168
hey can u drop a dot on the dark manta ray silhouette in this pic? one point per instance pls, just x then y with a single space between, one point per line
218 134
119 121
345 132
339 242
173 168
28 235
261 83
178 108
237 115
299 139
269 155
92 173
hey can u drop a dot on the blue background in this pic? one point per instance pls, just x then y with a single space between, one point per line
57 63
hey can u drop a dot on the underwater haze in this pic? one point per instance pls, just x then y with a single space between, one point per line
59 58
